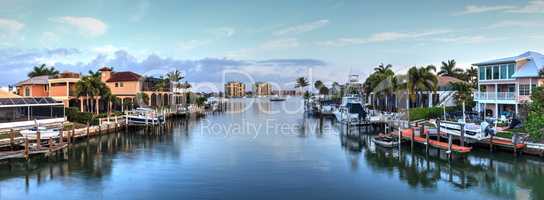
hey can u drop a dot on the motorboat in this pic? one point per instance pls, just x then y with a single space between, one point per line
45 133
144 116
351 110
277 98
385 141
472 131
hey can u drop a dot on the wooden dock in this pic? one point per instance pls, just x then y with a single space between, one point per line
408 134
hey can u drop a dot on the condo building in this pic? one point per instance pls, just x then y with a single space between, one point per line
505 83
262 89
235 89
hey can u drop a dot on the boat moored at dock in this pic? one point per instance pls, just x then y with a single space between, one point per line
351 111
144 116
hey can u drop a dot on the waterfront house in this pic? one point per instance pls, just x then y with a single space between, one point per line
33 87
505 83
262 89
181 91
126 86
62 88
235 89
17 111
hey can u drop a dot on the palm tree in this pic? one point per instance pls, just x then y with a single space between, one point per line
43 70
162 84
380 83
318 84
383 69
471 76
174 76
301 83
448 69
419 80
91 87
462 95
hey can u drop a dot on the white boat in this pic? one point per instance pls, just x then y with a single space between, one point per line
277 98
327 109
144 116
472 131
385 141
45 133
350 111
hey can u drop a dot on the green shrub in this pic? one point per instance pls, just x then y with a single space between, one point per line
426 113
74 115
535 120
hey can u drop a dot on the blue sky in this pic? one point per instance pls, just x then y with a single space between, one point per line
269 40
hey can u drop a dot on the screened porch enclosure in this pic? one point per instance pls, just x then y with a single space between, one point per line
29 109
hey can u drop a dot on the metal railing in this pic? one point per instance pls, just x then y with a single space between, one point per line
496 96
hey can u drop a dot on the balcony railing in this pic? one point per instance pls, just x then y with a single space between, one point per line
496 96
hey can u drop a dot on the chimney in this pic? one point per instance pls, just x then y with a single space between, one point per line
105 73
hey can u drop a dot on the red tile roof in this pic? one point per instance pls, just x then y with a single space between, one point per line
124 76
446 80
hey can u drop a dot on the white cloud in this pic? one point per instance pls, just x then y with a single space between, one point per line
516 23
533 7
49 39
381 37
473 9
192 44
469 39
9 32
284 43
10 26
223 32
302 28
263 48
88 26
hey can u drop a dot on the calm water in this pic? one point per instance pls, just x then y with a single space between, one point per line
267 150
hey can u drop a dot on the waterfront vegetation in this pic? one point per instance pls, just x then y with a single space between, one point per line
535 119
386 86
43 70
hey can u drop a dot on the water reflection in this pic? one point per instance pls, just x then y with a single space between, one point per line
500 174
93 159
311 154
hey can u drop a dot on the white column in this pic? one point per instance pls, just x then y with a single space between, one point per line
496 110
530 86
67 89
122 105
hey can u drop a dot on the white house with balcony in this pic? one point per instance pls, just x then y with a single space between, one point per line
504 84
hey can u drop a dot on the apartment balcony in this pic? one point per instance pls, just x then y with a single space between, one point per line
496 96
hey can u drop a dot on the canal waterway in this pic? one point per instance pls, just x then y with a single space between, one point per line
265 150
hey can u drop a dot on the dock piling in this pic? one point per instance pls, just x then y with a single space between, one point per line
462 135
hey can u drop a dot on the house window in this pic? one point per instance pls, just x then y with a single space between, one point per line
488 71
27 91
511 70
121 84
495 72
504 71
524 90
482 73
116 84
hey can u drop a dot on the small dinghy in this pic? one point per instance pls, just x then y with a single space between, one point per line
385 141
